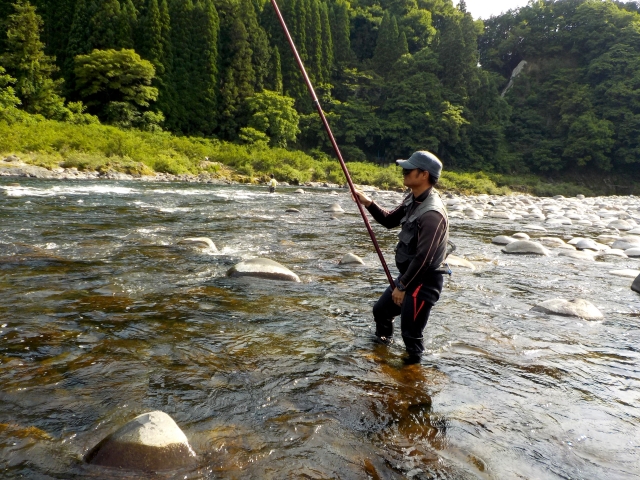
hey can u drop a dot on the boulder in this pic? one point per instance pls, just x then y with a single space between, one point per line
262 268
526 247
334 208
521 236
612 252
588 244
620 225
552 241
455 261
634 231
632 252
625 272
350 258
607 239
292 210
625 243
574 308
583 255
202 242
503 240
150 442
635 286
299 190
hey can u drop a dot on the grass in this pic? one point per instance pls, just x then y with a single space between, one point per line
102 148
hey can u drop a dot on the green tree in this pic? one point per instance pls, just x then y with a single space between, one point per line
116 86
274 115
26 61
8 97
339 20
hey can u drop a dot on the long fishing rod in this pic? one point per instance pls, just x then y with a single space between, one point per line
316 103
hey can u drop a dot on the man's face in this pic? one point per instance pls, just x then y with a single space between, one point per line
415 178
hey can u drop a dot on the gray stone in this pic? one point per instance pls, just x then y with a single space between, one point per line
612 252
534 227
503 240
299 190
632 252
625 272
635 286
625 243
552 241
455 261
583 255
262 268
588 244
526 247
574 308
334 208
150 442
521 236
292 210
202 242
620 225
350 258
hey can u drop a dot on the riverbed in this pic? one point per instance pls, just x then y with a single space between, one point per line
105 315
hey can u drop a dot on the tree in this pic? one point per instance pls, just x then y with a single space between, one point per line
8 97
26 61
274 115
116 85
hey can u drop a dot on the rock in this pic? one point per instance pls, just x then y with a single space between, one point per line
620 225
583 255
202 242
503 240
350 258
635 286
625 243
262 268
552 241
608 239
588 244
526 247
634 231
455 261
292 210
575 240
534 227
334 208
625 272
632 252
575 308
501 214
298 191
150 442
580 196
521 236
612 252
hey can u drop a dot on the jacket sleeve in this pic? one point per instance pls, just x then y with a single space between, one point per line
389 219
431 230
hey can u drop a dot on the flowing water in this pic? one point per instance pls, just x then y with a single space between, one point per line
105 316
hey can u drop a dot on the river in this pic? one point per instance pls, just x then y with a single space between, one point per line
105 316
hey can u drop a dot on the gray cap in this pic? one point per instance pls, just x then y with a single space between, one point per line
423 160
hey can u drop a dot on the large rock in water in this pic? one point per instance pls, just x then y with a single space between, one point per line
150 442
575 308
334 208
203 242
526 247
351 258
635 286
455 261
262 268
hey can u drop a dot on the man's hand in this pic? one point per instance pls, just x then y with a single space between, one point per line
397 296
364 200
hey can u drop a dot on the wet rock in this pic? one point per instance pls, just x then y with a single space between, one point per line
350 258
455 261
635 286
625 243
612 252
521 236
588 244
632 252
620 225
503 240
634 231
582 255
299 190
526 247
334 208
202 242
263 268
552 241
292 210
625 272
150 442
501 214
608 239
575 308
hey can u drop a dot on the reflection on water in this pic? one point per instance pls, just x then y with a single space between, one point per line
104 316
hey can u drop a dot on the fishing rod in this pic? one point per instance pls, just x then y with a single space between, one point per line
316 104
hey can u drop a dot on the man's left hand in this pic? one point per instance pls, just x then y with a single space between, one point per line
397 296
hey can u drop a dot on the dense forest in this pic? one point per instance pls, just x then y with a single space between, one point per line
551 87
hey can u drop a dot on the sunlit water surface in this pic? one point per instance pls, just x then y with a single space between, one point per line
104 316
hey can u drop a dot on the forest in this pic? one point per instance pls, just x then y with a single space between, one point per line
552 88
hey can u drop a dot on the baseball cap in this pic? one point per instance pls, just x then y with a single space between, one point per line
423 160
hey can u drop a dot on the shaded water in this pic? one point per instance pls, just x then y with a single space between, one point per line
103 316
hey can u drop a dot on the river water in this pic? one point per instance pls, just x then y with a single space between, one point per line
104 316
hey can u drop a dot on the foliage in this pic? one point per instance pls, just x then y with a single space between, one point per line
273 115
8 98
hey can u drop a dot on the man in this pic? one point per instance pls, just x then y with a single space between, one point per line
273 183
420 252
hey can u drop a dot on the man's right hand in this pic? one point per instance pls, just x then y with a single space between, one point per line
364 200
